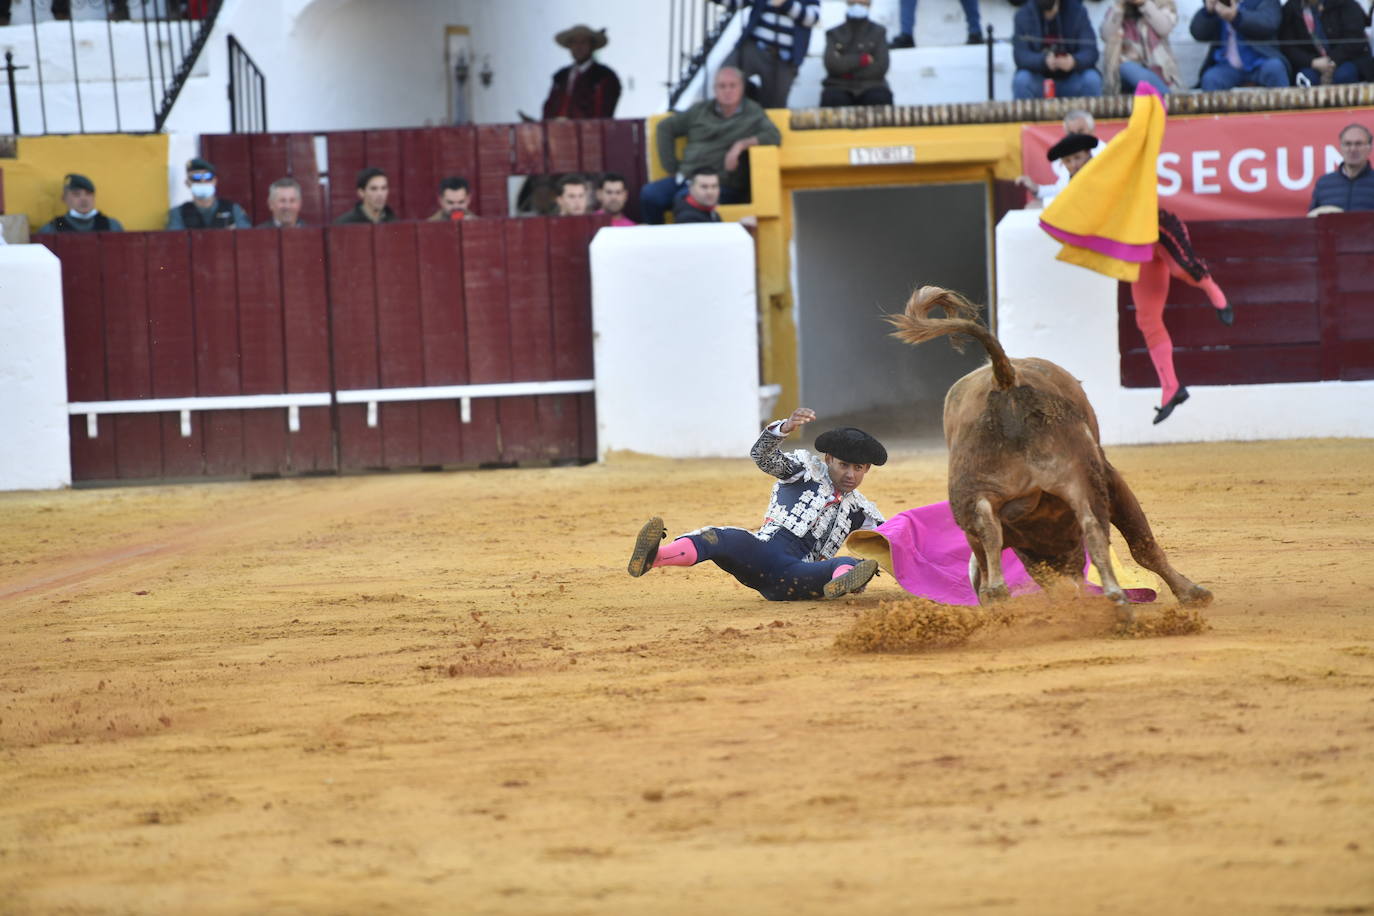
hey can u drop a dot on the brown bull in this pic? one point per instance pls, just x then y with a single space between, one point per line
1026 467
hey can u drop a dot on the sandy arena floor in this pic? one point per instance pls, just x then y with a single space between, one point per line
440 693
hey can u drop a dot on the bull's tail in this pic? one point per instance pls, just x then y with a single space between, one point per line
916 326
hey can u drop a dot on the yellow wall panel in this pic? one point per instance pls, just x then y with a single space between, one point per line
129 171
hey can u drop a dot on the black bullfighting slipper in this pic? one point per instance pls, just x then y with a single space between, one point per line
1226 316
1162 413
852 581
646 547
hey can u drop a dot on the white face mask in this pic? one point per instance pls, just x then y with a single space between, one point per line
857 11
75 215
202 190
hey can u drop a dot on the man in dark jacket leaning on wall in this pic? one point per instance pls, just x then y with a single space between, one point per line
856 61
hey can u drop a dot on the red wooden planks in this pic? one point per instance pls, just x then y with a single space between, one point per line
399 339
172 340
419 174
271 157
353 323
494 167
346 152
306 344
564 155
263 360
305 168
439 255
531 333
214 290
231 155
83 313
570 276
484 291
530 157
138 437
591 153
623 153
456 155
559 422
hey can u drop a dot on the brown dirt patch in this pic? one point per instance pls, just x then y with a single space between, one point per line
441 693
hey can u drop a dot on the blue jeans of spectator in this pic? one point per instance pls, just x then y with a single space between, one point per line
1027 84
1133 73
906 17
657 198
1271 72
1347 72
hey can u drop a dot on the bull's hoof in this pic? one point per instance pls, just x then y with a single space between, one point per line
1197 596
994 595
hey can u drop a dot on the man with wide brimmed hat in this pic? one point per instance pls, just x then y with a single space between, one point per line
78 193
815 505
585 89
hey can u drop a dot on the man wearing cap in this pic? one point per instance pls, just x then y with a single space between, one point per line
814 507
78 193
206 209
584 89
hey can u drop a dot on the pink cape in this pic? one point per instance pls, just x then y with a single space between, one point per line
930 558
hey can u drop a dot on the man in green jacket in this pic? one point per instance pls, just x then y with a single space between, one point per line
718 133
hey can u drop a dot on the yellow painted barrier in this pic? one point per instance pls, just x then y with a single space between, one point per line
129 172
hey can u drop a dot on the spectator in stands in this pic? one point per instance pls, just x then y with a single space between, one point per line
78 193
454 198
703 194
1135 46
772 45
371 207
62 9
206 209
572 195
586 88
719 133
1324 40
1054 43
1077 121
1243 47
284 200
906 22
1351 186
612 195
856 61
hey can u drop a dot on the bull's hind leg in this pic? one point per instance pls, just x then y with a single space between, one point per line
1092 522
986 541
1130 520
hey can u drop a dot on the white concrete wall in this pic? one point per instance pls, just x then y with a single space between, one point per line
1068 314
34 450
675 336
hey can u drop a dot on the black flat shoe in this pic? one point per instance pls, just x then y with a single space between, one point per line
974 38
1162 413
852 581
646 547
901 41
1226 316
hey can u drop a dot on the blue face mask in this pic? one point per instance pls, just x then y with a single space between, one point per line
75 215
857 11
202 190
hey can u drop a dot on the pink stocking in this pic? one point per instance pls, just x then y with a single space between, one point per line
1149 293
681 552
1206 284
841 570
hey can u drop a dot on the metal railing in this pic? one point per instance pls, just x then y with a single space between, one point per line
694 29
247 92
174 33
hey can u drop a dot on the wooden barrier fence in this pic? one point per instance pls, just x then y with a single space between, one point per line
416 159
333 320
1303 290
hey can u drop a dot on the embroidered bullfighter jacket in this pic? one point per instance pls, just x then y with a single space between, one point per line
805 502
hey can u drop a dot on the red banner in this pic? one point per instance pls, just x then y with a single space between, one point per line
1259 166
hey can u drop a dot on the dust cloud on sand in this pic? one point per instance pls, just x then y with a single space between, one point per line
442 693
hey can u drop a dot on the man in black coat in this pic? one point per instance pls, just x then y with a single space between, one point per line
1324 41
856 61
585 89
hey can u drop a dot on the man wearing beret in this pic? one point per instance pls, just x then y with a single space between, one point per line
206 209
78 193
584 89
814 507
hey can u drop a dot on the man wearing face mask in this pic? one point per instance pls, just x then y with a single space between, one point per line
78 193
206 209
856 61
